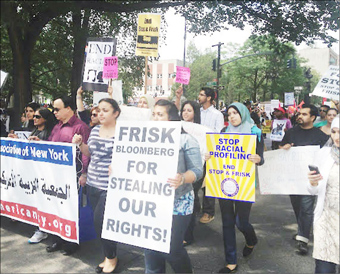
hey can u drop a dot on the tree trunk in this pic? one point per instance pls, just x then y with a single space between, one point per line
21 73
80 35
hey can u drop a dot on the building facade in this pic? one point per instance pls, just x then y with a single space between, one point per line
320 59
161 79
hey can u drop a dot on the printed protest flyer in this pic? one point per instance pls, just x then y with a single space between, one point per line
229 173
147 34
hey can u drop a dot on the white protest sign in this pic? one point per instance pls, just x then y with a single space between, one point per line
289 98
328 86
199 133
268 109
131 113
96 50
97 96
117 93
274 104
285 171
23 134
3 78
278 130
38 185
139 203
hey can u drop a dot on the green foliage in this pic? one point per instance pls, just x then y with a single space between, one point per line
200 68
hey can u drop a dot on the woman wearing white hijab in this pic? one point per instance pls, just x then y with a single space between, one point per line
146 101
326 214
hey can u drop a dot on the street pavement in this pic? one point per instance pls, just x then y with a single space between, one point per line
272 217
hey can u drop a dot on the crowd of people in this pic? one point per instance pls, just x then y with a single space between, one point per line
94 134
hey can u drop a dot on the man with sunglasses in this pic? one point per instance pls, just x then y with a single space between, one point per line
321 120
69 124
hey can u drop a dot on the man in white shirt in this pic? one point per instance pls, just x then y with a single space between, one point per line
212 118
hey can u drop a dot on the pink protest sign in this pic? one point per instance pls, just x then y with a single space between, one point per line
110 69
182 75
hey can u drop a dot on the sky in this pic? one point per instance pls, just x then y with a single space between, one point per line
175 38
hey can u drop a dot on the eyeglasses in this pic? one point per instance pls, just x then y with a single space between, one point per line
94 114
37 116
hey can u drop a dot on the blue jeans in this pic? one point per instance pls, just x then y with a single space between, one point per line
178 257
324 267
303 206
235 212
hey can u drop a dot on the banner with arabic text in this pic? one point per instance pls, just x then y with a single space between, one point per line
39 185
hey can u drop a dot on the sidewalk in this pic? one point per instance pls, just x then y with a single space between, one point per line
272 217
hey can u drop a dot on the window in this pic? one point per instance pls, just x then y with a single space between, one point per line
332 60
159 76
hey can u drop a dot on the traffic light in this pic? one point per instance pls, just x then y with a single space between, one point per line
219 73
289 63
214 65
294 63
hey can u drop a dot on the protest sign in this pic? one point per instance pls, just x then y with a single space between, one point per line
289 98
96 50
147 34
182 75
131 113
285 171
274 104
199 132
38 185
328 86
230 175
117 93
3 78
23 134
268 109
267 127
110 69
139 203
278 130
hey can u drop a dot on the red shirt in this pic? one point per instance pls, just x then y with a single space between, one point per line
65 132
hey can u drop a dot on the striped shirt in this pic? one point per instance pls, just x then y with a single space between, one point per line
101 156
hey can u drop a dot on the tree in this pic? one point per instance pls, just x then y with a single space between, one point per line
263 76
295 21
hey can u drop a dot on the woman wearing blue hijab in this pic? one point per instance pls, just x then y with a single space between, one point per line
237 212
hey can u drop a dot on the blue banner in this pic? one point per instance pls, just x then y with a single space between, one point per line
51 153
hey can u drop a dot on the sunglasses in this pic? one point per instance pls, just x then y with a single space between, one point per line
56 109
323 110
37 116
94 114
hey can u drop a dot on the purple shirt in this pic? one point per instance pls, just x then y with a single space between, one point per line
288 123
65 132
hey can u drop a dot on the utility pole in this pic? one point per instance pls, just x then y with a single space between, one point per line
218 69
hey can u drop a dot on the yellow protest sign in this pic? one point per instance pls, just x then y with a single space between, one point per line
147 34
230 175
267 127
